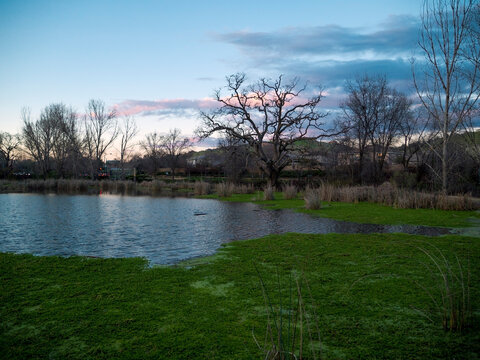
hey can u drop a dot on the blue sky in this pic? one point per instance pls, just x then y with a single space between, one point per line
161 60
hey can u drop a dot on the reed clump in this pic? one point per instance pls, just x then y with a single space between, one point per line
290 192
313 198
201 188
244 189
450 292
292 328
387 194
225 189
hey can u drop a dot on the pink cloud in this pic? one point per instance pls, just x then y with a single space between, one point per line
134 107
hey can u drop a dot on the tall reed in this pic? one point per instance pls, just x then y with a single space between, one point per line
292 329
313 198
290 192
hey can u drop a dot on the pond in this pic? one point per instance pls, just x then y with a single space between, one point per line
163 230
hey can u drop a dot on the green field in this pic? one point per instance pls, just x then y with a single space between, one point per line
370 294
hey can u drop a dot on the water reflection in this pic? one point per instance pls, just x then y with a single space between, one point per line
164 230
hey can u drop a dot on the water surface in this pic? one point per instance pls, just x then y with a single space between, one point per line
163 230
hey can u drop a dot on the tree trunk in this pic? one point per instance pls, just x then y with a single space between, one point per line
444 165
273 175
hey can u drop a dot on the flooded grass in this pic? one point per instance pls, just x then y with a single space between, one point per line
367 290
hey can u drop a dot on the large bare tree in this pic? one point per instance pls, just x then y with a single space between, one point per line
269 116
101 130
448 80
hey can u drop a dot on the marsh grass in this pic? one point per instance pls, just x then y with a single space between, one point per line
450 294
313 199
387 194
290 192
292 329
201 188
225 189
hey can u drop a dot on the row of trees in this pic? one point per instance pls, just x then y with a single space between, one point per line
270 117
65 144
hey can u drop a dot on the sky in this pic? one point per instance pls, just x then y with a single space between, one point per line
161 61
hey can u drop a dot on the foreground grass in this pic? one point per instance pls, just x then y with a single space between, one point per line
367 213
365 290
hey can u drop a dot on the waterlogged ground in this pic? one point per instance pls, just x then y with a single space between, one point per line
162 230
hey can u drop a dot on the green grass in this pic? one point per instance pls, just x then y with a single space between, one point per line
364 212
364 287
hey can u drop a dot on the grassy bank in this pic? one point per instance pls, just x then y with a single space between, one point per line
370 294
365 212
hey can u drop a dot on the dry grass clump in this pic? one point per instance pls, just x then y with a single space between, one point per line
290 192
327 192
313 198
156 186
225 189
201 188
244 189
269 193
389 195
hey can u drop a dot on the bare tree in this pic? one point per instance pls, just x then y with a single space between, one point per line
72 131
412 131
268 114
153 149
8 145
236 157
174 145
448 85
129 131
41 136
360 110
67 136
394 113
101 130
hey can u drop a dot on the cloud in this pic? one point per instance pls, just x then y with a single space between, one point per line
206 79
328 55
163 107
395 36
